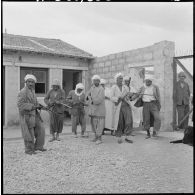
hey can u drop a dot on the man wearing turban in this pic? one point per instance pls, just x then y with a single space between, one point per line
149 94
33 131
53 99
122 114
182 99
77 99
96 98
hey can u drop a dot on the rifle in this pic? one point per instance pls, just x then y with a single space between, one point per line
124 98
175 127
47 108
142 94
65 105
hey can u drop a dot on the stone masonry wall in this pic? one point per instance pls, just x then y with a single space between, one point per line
159 55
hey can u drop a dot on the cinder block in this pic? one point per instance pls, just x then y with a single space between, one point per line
122 61
147 56
119 55
115 62
106 69
112 56
129 59
101 64
108 63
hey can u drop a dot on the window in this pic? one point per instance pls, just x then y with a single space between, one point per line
41 75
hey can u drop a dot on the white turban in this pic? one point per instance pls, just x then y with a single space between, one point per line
30 76
118 75
102 81
126 78
79 86
149 77
181 74
56 82
96 77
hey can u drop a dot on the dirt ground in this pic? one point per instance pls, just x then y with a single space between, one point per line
77 165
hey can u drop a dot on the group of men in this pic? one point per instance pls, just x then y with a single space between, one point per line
105 106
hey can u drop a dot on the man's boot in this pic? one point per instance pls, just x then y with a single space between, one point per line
128 140
120 140
52 138
154 134
148 134
57 137
99 140
95 138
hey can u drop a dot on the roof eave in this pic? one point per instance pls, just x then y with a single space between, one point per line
50 53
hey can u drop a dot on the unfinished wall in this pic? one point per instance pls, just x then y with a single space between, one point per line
158 55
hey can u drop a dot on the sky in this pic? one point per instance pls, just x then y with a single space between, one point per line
104 28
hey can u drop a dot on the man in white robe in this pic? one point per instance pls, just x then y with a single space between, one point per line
122 114
108 106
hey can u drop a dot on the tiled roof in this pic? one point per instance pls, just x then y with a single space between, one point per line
42 45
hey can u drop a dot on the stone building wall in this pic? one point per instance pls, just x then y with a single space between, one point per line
159 55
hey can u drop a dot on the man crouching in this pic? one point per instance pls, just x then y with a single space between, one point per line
30 119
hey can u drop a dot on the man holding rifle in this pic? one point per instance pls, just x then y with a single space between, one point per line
30 119
122 113
54 99
77 100
149 94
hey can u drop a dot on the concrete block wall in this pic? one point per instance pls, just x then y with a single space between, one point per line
11 91
159 55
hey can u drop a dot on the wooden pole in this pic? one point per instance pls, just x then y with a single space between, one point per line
174 67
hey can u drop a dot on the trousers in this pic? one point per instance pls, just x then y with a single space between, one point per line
97 125
182 110
38 137
125 123
76 120
153 109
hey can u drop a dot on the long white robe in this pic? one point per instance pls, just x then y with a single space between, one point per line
115 93
109 107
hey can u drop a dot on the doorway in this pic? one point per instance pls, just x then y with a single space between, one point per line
70 78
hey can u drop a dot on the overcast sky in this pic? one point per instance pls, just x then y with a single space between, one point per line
103 28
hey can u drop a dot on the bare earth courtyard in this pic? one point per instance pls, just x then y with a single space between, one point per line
77 165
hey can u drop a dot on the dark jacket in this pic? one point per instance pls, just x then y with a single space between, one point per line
182 94
76 103
50 98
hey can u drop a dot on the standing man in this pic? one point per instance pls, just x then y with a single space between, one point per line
150 95
135 111
53 99
77 99
30 119
122 114
182 97
96 98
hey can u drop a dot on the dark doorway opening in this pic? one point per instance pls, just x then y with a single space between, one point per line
69 82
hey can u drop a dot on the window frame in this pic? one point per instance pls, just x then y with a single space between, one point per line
31 70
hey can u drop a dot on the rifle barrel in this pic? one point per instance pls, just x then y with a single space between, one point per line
143 94
66 105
